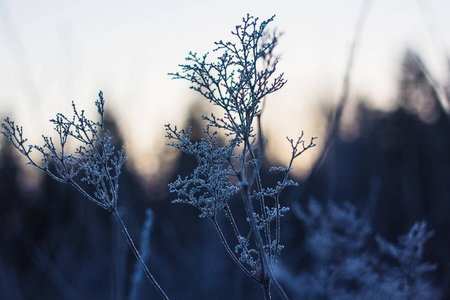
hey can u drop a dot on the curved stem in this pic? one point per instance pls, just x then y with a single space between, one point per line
230 217
230 252
138 255
85 194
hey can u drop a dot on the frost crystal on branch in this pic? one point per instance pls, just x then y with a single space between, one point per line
95 161
209 187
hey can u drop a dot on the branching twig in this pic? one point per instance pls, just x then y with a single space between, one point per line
95 161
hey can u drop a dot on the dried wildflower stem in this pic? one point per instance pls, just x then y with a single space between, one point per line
259 185
237 81
138 255
230 252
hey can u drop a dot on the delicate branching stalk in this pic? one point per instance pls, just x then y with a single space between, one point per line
138 255
238 81
95 162
230 252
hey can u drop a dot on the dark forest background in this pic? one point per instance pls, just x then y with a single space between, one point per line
394 168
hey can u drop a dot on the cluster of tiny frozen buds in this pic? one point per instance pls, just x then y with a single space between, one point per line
95 159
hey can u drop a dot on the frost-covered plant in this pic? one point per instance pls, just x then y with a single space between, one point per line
345 266
95 162
337 239
238 80
408 274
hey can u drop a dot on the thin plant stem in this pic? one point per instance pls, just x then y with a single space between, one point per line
441 98
138 255
334 128
266 287
230 217
230 252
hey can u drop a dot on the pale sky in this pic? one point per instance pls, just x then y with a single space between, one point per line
53 52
